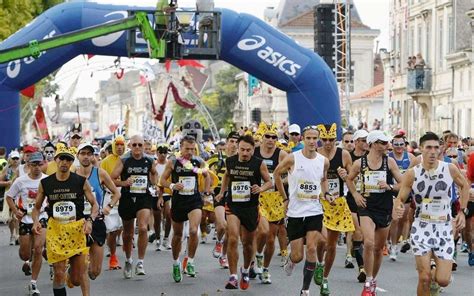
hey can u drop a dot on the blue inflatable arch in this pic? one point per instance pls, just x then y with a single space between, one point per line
246 42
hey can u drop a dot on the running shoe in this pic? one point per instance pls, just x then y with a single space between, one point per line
361 277
158 245
127 271
434 289
51 273
266 277
252 273
203 238
217 251
348 263
12 240
367 290
464 248
470 261
405 247
304 293
26 268
259 266
177 273
232 283
114 263
139 270
373 286
244 280
318 274
325 288
289 267
283 260
166 243
33 290
152 237
190 269
223 262
393 253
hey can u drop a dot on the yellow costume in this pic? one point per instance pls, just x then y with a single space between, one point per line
338 217
109 163
64 241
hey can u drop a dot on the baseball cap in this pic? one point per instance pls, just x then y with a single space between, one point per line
294 128
63 150
233 135
360 134
14 154
96 150
36 157
84 146
377 135
29 149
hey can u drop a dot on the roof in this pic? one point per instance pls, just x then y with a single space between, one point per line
306 19
371 93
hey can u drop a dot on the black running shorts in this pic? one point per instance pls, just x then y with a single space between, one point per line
381 218
99 233
297 228
181 209
249 217
129 206
26 229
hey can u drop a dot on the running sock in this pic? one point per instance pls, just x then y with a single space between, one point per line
357 246
190 260
129 260
369 279
234 276
140 261
259 254
59 292
176 261
308 272
245 270
33 282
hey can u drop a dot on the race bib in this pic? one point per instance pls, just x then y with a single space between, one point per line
334 186
434 210
240 191
308 190
372 179
30 204
139 184
189 184
64 211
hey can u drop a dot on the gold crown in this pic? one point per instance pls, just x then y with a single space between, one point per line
264 128
63 150
327 131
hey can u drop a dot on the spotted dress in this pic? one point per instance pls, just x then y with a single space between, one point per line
432 229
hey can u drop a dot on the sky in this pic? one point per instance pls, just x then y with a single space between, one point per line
374 13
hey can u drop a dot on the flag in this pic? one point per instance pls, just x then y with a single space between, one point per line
191 63
29 91
40 123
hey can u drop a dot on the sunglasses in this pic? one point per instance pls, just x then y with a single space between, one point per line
328 140
137 145
313 127
452 156
271 137
348 141
49 152
15 158
64 157
294 134
398 144
381 142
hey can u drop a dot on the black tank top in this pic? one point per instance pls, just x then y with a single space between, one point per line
242 175
139 170
186 174
378 200
272 163
333 177
71 190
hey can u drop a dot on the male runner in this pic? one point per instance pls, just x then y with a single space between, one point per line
21 198
375 205
337 216
432 231
186 202
401 227
242 179
135 173
161 208
65 193
307 181
98 178
217 163
271 205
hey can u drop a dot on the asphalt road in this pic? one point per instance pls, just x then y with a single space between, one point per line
396 278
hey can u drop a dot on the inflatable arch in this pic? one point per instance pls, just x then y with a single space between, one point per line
246 42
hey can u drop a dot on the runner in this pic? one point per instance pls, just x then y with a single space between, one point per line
401 227
375 205
271 204
98 178
113 221
21 199
307 171
7 177
186 202
348 141
217 163
161 208
135 173
65 193
432 231
337 216
244 172
294 132
360 149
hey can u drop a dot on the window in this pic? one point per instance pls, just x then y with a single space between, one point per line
419 37
451 33
440 42
427 42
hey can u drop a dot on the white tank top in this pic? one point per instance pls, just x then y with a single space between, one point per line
431 191
304 186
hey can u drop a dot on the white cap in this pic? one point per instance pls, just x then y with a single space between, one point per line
294 128
360 134
86 145
377 135
13 154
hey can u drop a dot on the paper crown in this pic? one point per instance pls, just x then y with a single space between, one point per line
264 128
63 150
327 131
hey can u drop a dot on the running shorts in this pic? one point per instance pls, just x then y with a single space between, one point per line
298 227
435 237
249 217
130 205
27 229
180 210
381 218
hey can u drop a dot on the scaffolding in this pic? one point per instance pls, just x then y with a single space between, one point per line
342 53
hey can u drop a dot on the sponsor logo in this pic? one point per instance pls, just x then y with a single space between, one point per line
269 55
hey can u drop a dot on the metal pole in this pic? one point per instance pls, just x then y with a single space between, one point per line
348 59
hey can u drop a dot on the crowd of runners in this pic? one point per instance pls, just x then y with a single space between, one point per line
73 203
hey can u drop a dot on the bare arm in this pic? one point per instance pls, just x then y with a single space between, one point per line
393 167
166 174
37 208
266 178
116 175
405 186
109 184
282 168
464 186
353 173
